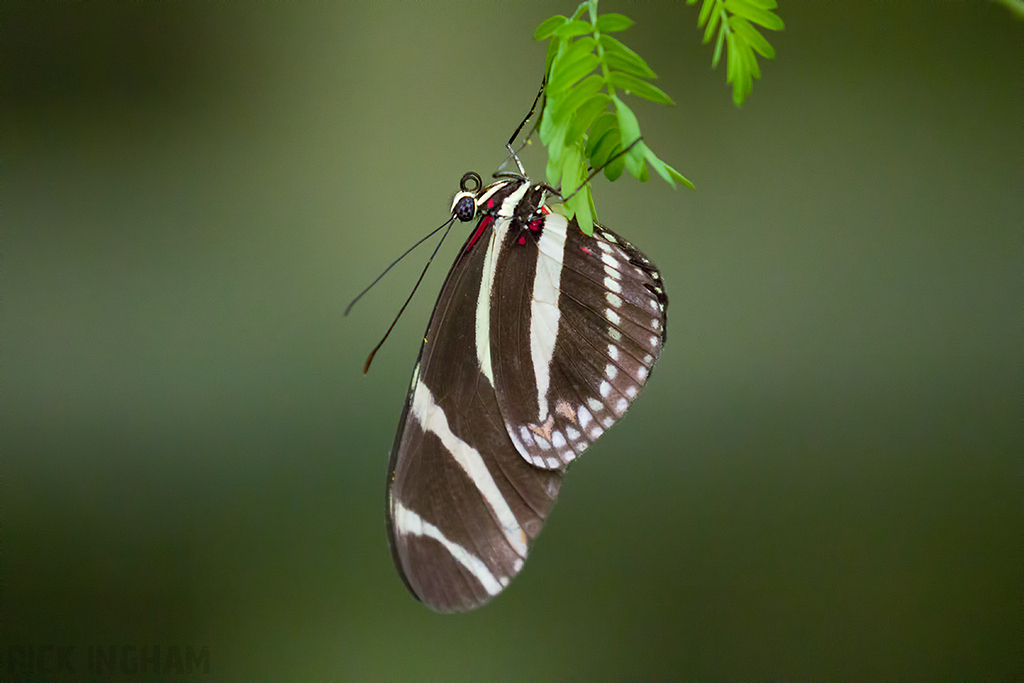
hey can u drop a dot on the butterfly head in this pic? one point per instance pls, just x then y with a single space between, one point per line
465 202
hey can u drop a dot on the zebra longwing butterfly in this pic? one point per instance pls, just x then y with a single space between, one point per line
540 339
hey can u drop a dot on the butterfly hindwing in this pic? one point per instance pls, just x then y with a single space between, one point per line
578 324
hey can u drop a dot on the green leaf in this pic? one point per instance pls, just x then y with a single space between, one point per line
607 147
740 89
546 125
718 48
730 57
555 149
576 97
585 116
657 164
628 124
709 30
574 28
573 173
554 167
746 59
752 36
630 129
613 44
617 56
601 125
579 206
752 65
548 27
577 49
565 74
743 83
679 177
637 166
755 14
611 23
763 4
615 60
556 145
555 46
664 170
573 170
580 47
613 171
576 52
705 12
552 171
637 87
626 55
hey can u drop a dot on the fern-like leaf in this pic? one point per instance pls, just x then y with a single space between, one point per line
584 123
735 20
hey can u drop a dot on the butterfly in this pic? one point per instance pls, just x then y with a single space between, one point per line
541 338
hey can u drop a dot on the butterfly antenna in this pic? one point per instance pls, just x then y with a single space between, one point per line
407 251
602 167
369 359
527 118
513 152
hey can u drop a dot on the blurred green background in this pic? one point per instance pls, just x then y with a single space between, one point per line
822 480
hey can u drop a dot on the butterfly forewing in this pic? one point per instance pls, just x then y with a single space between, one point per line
462 505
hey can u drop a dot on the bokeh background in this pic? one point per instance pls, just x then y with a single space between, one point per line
822 480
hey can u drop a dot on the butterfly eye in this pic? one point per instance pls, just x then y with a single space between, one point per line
465 208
